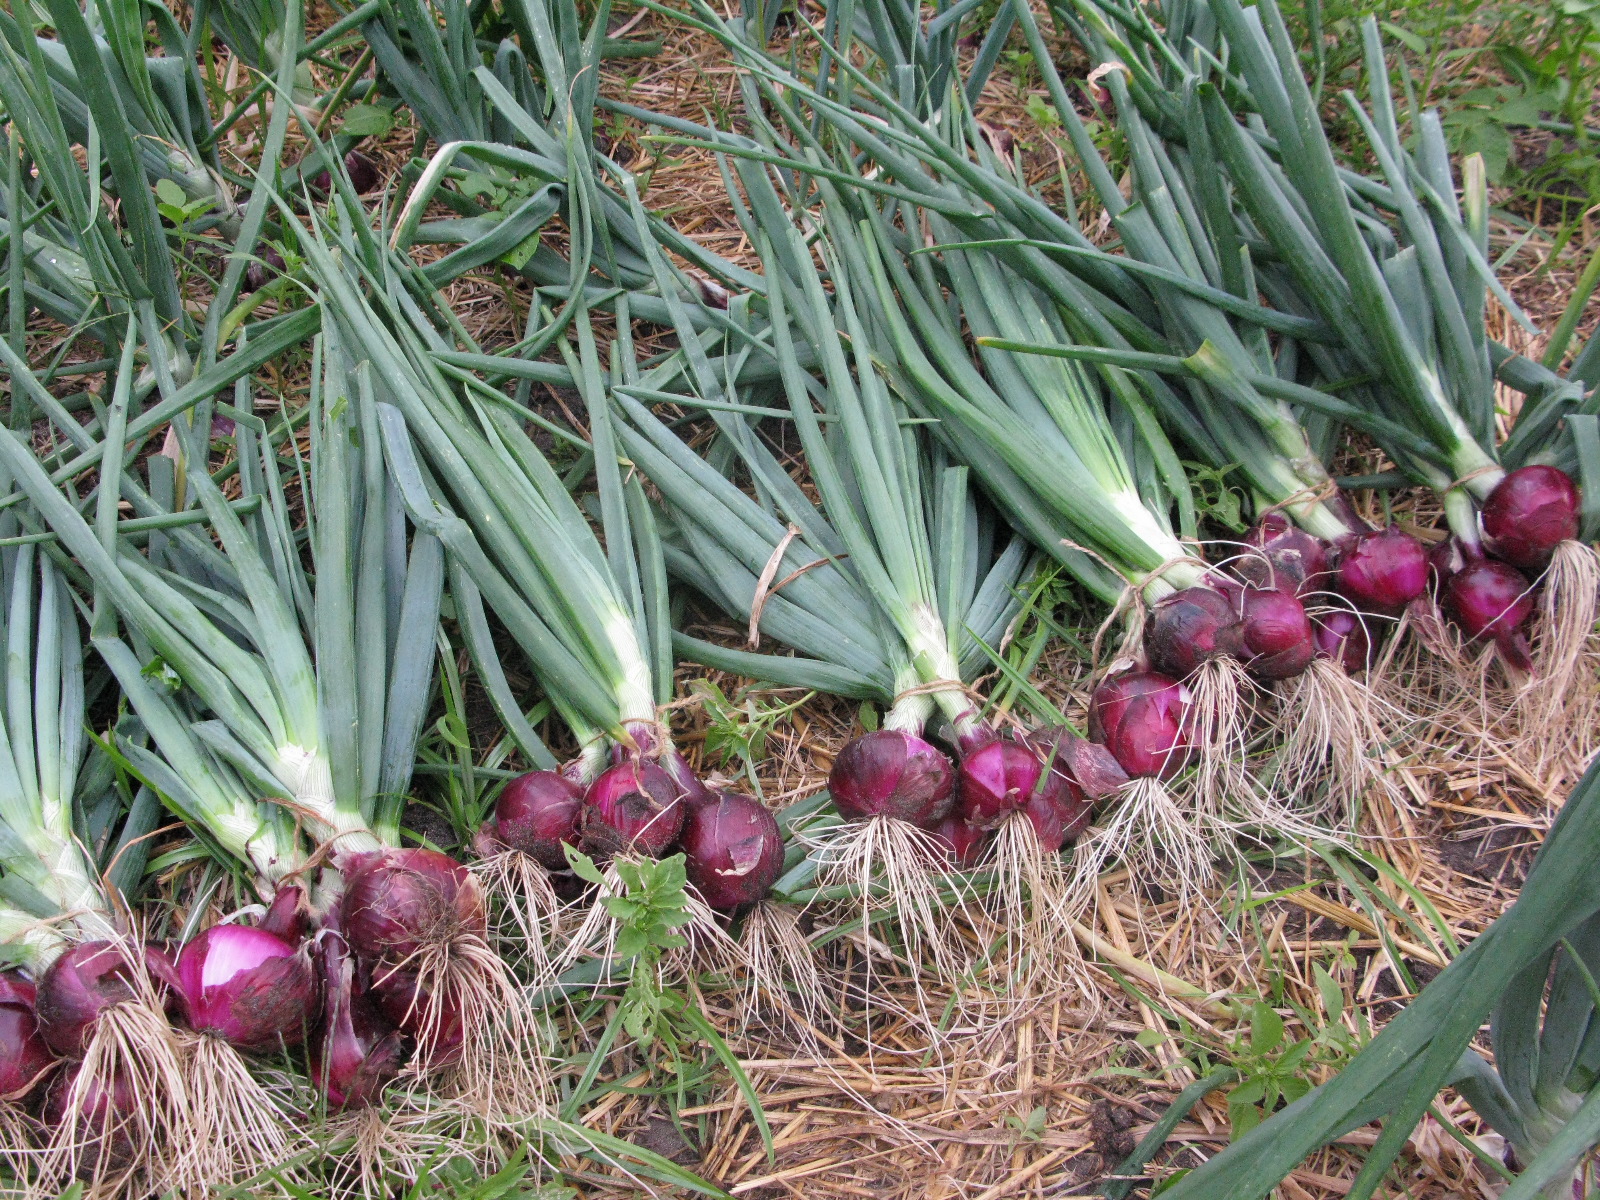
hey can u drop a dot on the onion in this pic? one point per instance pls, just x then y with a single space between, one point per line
733 850
1529 513
1276 633
435 1022
1008 776
362 170
1287 557
24 1056
1189 627
635 806
1383 570
1142 718
1444 560
890 773
85 981
965 844
537 813
359 1052
248 987
269 264
1342 636
1089 764
396 902
1491 600
289 915
103 1119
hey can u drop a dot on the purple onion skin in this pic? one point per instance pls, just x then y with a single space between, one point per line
636 807
537 813
1383 570
24 1056
362 170
1089 764
82 983
397 901
1492 600
248 987
359 1053
103 1113
1342 636
964 845
289 914
1444 560
1189 627
1530 512
732 850
1276 633
1288 557
419 1015
1006 777
269 266
1142 717
889 773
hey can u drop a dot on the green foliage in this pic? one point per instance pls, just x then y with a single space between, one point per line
739 726
1215 497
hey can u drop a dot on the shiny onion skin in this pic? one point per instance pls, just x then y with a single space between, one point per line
81 984
1492 600
358 1053
733 851
890 773
635 807
1006 776
248 987
1190 627
964 844
537 813
1342 636
1287 557
1276 633
24 1056
397 901
1530 512
1142 717
1382 570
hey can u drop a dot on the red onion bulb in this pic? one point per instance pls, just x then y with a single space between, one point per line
362 170
634 806
1490 599
537 813
1383 570
1529 513
1189 627
890 773
733 850
1004 777
85 981
1342 636
1276 633
1142 717
964 844
1287 557
103 1120
398 901
24 1056
359 1052
248 987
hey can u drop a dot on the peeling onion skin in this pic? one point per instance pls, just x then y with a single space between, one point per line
1342 636
397 901
1383 570
359 1052
1142 717
733 851
289 914
1287 557
1492 600
634 806
537 813
248 987
889 773
1530 512
1190 627
1006 777
24 1055
964 844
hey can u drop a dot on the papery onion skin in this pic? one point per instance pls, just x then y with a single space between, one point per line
1492 600
1006 777
1190 627
24 1054
1276 633
289 914
1286 557
1089 764
633 807
1142 717
733 851
82 983
102 1113
964 844
359 1053
248 987
398 901
1343 637
1530 512
1383 570
537 813
890 773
